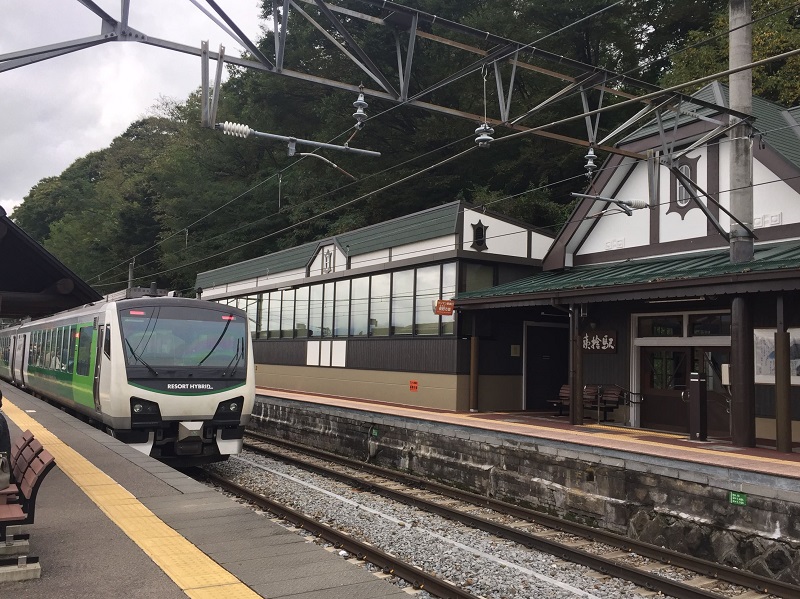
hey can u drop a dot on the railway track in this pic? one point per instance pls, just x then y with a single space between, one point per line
651 567
388 563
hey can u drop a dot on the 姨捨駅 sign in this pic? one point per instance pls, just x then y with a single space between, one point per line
599 342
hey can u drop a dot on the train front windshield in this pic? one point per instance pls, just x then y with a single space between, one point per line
169 337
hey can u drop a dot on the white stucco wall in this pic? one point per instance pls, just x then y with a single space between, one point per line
501 237
616 230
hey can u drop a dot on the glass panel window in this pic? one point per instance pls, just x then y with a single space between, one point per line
263 320
252 313
683 194
315 312
661 326
426 322
379 305
64 343
274 321
327 311
301 312
73 339
448 292
477 276
342 309
287 314
84 351
359 306
402 302
701 325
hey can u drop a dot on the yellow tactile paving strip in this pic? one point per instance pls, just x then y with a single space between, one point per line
193 571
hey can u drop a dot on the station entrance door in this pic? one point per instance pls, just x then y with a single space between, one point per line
665 386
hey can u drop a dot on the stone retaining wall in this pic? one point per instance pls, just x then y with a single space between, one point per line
678 505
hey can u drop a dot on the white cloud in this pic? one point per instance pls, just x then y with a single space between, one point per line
60 109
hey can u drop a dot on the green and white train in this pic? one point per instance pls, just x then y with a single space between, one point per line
172 377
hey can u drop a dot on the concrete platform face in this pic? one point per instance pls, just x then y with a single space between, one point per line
84 553
711 500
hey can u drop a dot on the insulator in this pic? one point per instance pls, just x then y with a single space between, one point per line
359 115
637 203
235 129
484 135
590 165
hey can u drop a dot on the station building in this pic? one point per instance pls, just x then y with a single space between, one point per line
652 293
368 313
635 299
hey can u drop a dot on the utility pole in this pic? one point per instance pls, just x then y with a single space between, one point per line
743 432
741 160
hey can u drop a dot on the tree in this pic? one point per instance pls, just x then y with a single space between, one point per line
775 31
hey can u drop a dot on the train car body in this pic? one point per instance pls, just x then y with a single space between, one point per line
173 377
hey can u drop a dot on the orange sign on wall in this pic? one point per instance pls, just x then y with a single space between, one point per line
413 386
444 307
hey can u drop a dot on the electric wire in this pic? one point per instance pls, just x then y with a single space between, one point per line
479 65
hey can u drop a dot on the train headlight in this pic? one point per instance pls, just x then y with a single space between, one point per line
229 411
144 413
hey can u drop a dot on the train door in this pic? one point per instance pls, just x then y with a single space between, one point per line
20 360
101 335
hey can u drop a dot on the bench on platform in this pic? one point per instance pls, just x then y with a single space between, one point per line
590 393
21 506
608 399
23 450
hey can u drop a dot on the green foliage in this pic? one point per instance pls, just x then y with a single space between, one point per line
775 32
182 199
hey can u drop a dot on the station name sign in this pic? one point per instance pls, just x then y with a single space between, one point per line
599 342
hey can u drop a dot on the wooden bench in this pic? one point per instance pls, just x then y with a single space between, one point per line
590 393
23 450
608 399
22 510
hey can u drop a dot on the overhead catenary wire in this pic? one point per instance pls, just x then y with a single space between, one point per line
376 116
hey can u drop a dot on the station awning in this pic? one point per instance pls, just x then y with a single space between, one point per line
33 282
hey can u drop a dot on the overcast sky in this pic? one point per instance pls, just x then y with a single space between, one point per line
55 111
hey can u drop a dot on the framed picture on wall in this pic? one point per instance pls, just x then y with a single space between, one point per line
764 355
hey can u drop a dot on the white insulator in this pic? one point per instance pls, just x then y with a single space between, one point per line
637 203
235 129
484 135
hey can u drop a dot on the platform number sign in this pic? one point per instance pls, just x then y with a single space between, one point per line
737 498
413 386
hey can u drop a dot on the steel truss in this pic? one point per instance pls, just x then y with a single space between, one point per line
406 25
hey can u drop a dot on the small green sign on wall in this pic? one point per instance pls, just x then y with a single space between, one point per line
737 498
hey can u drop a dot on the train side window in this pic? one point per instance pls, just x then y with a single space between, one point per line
65 343
84 350
107 343
72 343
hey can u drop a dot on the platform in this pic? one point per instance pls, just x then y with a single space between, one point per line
112 522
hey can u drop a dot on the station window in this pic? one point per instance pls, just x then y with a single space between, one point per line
661 326
380 296
301 312
701 325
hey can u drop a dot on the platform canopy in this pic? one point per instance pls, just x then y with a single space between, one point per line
33 282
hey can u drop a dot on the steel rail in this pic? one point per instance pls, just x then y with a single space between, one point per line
654 552
389 564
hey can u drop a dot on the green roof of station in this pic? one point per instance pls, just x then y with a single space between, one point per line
420 226
608 277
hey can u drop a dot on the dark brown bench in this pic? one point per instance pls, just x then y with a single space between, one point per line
22 452
607 399
22 509
590 393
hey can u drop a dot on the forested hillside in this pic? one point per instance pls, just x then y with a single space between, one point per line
183 199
